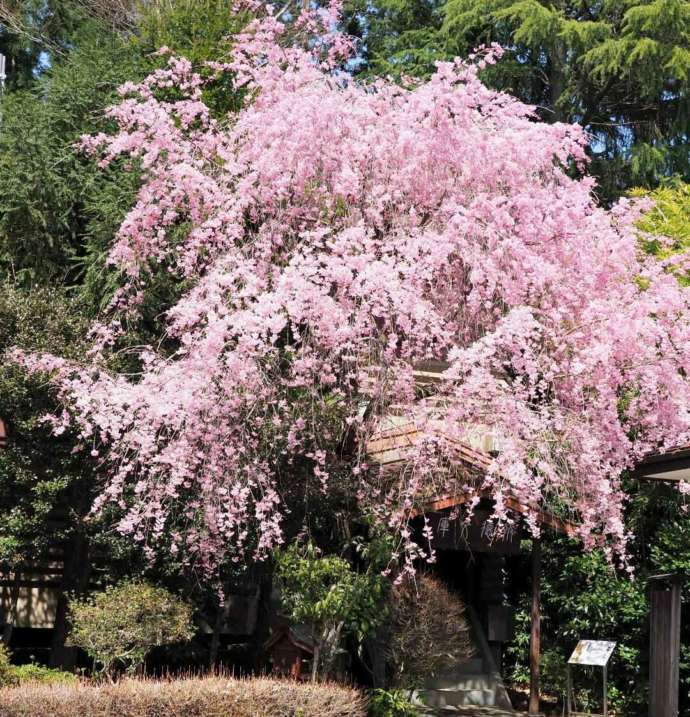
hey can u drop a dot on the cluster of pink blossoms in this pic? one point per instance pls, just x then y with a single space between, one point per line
339 234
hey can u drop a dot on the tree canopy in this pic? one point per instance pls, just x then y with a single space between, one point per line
273 241
330 238
619 68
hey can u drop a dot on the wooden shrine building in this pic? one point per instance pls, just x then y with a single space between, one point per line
472 550
473 553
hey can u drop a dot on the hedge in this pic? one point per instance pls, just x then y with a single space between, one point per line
190 697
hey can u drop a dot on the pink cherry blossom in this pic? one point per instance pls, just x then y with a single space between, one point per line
339 234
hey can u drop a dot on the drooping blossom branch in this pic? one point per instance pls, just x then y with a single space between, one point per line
339 234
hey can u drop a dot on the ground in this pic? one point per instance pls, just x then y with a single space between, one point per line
473 711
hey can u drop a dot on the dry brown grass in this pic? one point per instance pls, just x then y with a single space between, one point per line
191 697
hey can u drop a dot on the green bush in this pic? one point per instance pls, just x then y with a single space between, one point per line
585 597
26 674
121 625
46 185
5 666
391 703
16 675
326 594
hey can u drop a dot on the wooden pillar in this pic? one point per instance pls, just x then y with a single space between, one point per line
75 581
664 649
535 636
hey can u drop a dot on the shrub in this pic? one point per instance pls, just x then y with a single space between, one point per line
14 675
25 674
428 631
196 697
5 665
121 625
325 593
391 703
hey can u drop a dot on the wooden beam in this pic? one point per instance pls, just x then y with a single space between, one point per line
544 518
535 636
673 466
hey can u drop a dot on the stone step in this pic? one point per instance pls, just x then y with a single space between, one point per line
467 711
471 688
458 680
476 697
456 690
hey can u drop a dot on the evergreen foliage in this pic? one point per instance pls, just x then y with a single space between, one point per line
58 213
391 703
34 33
49 194
399 37
583 596
36 471
199 30
326 594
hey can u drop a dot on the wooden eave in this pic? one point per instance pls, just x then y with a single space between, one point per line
668 466
672 466
390 448
544 518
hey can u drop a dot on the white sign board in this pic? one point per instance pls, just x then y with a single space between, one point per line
592 652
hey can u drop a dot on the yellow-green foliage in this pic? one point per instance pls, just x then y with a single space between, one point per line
121 625
38 674
17 675
666 227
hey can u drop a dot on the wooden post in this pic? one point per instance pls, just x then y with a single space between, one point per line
664 649
606 692
535 637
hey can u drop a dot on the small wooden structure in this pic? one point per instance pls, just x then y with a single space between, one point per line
392 446
290 653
